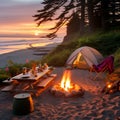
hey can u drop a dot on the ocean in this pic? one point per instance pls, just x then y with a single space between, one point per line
10 44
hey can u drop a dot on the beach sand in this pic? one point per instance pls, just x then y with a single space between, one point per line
25 55
92 106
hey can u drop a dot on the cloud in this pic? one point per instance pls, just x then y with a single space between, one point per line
28 1
5 3
16 2
15 13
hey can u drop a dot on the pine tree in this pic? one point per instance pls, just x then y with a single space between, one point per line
93 14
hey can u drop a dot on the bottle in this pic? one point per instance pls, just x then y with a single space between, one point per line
24 71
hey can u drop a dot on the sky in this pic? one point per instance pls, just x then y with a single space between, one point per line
16 19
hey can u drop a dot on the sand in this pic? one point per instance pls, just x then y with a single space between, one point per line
25 55
92 106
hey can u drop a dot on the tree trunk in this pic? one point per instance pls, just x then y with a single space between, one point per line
90 14
82 20
105 14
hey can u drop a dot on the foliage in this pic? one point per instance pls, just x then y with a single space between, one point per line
96 14
4 74
3 77
117 58
15 68
107 43
57 58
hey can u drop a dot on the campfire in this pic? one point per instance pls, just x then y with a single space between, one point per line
66 88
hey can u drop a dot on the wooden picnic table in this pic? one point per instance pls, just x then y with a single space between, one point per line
34 85
29 80
26 82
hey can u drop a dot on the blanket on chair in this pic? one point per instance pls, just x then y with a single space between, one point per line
106 64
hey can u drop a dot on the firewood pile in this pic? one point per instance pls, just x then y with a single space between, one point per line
113 85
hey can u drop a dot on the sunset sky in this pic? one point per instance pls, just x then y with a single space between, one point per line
16 19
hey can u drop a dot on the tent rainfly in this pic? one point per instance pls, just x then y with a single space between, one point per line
84 58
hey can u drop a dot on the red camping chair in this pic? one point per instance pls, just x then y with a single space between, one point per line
106 65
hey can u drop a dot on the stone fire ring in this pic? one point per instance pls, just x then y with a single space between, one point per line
59 92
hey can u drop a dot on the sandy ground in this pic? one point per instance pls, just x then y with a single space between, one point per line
25 55
92 106
19 57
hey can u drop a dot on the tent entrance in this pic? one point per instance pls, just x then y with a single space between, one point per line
80 62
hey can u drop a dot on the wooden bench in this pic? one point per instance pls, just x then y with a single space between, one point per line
42 86
8 88
46 81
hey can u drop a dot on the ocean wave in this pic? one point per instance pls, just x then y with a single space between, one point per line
12 44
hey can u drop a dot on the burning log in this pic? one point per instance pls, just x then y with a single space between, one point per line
66 88
60 92
111 87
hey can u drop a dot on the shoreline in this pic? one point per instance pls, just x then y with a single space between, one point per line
25 55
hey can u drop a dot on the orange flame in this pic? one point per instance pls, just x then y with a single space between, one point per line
66 80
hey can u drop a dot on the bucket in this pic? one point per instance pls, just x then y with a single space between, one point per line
22 104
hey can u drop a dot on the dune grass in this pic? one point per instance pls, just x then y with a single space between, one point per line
107 43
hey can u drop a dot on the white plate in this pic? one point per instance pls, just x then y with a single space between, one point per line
25 76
